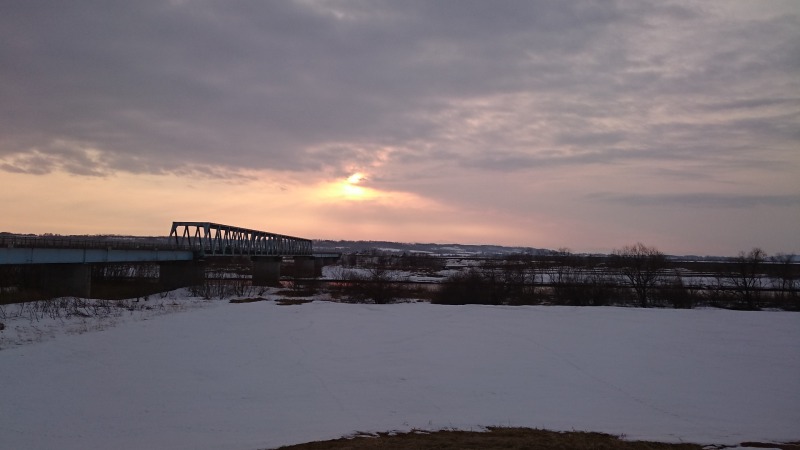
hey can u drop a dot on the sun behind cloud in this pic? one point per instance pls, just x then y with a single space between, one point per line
355 178
349 189
352 190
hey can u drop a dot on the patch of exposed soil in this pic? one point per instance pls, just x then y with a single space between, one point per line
286 301
494 438
247 300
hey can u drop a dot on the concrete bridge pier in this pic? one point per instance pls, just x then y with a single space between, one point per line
326 260
61 280
307 267
321 261
178 274
266 270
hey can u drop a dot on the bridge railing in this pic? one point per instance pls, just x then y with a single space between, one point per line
216 239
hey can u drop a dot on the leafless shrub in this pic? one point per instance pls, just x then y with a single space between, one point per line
642 267
786 278
377 282
672 291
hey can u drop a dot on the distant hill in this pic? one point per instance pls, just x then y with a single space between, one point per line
321 246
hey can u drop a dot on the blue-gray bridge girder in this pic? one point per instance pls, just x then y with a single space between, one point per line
214 239
58 250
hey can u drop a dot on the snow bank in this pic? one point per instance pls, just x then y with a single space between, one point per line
258 375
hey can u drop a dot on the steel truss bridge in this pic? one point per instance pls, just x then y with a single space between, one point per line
213 239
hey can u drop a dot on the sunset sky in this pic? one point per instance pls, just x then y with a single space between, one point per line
589 125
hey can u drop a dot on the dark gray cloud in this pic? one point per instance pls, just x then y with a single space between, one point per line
699 200
94 87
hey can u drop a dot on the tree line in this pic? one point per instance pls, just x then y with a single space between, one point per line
634 275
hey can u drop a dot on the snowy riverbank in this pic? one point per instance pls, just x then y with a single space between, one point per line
256 375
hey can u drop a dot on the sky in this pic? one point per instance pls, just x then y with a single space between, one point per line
589 125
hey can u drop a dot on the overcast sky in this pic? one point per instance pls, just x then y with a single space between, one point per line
588 125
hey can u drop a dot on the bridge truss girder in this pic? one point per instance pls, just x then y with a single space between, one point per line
213 239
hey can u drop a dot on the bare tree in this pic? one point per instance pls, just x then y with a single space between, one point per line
379 281
642 267
580 281
787 279
744 276
566 276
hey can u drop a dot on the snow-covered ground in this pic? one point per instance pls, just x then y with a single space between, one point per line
260 375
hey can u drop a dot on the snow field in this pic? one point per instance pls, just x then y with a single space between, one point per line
259 375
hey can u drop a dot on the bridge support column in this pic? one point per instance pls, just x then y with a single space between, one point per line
60 280
307 267
266 270
327 260
178 274
319 263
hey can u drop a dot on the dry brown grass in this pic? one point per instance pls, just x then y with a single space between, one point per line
283 301
494 438
788 446
286 301
247 300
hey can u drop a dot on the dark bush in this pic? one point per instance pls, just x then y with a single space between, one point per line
472 287
673 292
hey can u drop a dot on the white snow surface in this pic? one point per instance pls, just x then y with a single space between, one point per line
261 375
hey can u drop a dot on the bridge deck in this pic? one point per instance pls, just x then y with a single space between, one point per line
187 241
79 250
89 255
